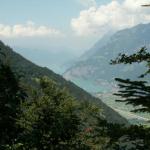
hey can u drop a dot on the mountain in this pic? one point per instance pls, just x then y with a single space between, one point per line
29 70
49 58
93 71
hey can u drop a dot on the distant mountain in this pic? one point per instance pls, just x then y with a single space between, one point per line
50 57
23 66
102 42
94 73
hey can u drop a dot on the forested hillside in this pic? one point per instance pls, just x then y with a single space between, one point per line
39 114
30 71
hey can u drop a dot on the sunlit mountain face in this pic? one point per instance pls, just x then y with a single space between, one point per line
93 71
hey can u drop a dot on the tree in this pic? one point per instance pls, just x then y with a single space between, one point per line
136 93
11 95
123 137
50 120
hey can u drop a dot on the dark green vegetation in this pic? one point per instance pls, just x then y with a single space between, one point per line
30 72
39 113
136 93
52 120
11 95
44 118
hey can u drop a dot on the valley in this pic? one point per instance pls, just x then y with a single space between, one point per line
93 71
124 110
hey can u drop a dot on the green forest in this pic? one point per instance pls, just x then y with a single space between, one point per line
39 110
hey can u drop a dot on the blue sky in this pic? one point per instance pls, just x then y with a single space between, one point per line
57 13
50 13
64 26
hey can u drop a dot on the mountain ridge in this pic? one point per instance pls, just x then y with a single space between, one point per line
97 71
30 70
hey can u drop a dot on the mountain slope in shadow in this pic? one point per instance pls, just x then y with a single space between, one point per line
30 70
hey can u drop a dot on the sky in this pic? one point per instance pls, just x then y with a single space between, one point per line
54 16
65 26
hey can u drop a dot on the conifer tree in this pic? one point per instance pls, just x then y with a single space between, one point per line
137 92
11 95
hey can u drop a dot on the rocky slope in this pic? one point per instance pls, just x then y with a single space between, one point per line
93 71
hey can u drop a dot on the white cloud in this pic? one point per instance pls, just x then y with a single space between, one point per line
87 3
28 30
97 20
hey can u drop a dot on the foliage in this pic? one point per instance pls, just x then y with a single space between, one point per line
136 93
11 95
30 71
121 137
51 120
141 56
